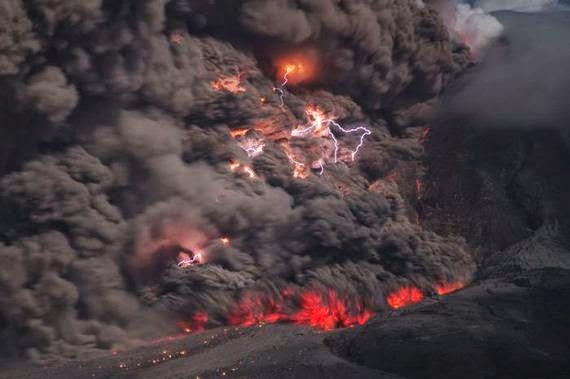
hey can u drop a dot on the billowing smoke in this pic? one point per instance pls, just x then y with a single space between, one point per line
531 91
469 24
129 192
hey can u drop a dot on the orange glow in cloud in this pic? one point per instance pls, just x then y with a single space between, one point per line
296 68
229 83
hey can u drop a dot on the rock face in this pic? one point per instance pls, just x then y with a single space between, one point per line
513 328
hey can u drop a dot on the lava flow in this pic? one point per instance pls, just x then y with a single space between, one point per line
404 296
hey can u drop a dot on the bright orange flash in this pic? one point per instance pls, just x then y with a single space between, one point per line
297 68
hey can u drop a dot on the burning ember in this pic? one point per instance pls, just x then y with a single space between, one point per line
229 83
404 296
225 241
447 288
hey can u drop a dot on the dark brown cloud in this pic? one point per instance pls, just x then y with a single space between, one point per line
135 167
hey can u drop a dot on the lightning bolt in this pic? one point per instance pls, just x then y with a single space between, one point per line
281 89
365 133
185 260
319 125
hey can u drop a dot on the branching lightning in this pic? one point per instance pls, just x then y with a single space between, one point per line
322 126
281 89
186 260
319 125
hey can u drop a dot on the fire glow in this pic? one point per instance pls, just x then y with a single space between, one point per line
293 70
320 309
404 296
447 288
229 83
297 68
323 311
240 167
300 169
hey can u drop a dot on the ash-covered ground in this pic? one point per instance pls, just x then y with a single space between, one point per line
284 189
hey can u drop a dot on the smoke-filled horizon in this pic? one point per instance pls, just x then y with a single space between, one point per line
213 163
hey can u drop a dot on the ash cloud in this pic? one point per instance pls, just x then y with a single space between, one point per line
124 162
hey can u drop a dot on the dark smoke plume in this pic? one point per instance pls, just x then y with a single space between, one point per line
115 151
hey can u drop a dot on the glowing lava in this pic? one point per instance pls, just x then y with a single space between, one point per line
312 308
230 83
257 309
328 312
404 296
447 288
